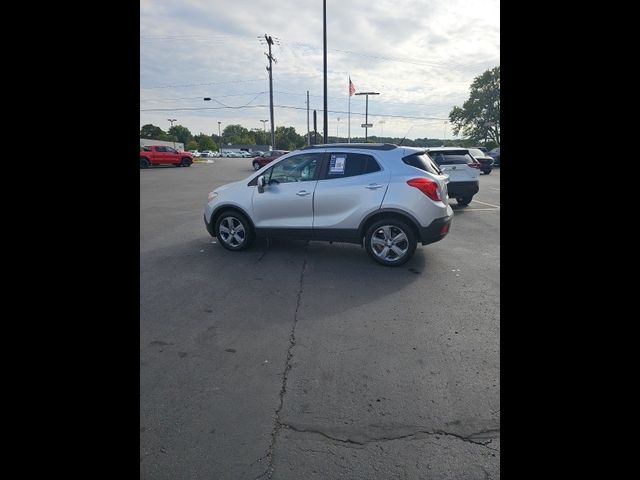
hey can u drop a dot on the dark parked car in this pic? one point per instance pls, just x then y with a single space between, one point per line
268 157
485 160
495 154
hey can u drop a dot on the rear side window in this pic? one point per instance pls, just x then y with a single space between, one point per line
452 157
342 165
421 161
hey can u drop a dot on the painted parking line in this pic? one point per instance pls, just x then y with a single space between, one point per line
483 203
478 210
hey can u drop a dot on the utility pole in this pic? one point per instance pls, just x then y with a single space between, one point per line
326 118
219 139
366 124
315 128
264 127
271 58
337 125
174 137
308 131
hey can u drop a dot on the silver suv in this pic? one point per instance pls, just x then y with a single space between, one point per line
382 196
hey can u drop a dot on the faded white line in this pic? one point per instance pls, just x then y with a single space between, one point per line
495 189
477 210
483 203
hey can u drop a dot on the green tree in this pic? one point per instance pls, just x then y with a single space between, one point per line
152 132
205 142
192 145
479 117
181 134
288 139
236 134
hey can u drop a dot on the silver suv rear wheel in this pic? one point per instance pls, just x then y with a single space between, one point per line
390 242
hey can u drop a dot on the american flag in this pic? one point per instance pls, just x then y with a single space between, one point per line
352 88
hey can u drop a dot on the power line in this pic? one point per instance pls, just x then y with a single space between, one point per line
202 84
200 97
289 107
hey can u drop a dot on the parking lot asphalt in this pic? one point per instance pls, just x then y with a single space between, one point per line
308 360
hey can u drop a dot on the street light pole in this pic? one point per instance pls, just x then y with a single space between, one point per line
366 113
219 139
337 125
174 137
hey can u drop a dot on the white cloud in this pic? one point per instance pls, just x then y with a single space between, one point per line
421 55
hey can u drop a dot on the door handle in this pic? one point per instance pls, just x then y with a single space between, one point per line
303 193
373 186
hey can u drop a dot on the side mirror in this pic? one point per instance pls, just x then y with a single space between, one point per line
261 183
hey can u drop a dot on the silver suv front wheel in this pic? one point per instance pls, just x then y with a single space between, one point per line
390 242
234 231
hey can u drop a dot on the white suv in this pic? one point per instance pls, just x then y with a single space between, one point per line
382 196
463 171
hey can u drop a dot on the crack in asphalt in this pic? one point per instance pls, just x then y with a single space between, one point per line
277 425
265 251
468 438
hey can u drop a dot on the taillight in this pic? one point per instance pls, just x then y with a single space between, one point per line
474 164
426 186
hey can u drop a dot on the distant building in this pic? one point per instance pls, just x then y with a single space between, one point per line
145 142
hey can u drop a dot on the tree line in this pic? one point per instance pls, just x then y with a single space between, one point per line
286 138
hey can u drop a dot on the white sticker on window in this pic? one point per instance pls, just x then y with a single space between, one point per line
337 163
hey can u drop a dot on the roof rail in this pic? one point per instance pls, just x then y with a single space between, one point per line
367 146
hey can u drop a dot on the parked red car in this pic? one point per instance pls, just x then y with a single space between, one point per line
262 160
161 155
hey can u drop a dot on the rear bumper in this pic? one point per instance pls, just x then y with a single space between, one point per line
436 230
462 189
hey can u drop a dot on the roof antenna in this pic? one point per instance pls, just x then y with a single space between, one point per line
405 135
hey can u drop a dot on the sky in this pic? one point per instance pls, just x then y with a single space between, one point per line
420 55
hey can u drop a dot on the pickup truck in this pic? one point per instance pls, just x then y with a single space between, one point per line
161 155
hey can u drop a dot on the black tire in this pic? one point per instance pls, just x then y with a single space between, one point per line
256 166
486 172
387 233
464 200
185 162
234 231
144 163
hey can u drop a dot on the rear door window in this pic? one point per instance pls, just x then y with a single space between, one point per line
341 165
423 162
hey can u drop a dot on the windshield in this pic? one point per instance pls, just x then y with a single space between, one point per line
476 152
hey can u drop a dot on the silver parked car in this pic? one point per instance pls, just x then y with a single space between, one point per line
382 196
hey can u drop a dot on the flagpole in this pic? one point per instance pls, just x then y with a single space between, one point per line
349 93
